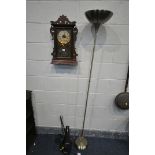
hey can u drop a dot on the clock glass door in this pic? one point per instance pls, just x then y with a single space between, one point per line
64 43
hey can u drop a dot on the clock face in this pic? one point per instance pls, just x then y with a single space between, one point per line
63 37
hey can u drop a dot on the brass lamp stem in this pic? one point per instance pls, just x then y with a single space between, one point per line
96 26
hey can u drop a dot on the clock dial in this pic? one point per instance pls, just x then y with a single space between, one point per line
64 37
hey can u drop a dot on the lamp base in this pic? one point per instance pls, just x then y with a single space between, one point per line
81 143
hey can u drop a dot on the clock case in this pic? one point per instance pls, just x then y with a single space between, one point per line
63 23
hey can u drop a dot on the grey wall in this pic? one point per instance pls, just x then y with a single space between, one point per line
61 89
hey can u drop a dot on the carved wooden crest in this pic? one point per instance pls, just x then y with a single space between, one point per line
63 20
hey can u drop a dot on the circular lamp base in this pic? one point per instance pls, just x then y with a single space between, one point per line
81 143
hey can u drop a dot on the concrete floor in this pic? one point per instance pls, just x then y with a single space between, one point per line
47 145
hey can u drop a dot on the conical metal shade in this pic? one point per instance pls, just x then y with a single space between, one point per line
98 16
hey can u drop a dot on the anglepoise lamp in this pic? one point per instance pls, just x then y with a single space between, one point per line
96 18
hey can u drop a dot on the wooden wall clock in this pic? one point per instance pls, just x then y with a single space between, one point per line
64 35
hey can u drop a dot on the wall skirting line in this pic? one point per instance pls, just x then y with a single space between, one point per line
87 133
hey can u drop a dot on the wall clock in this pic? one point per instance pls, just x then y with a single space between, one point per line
64 35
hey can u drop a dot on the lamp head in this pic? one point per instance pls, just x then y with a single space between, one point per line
98 17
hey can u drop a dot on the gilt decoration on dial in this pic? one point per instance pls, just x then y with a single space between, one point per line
63 37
